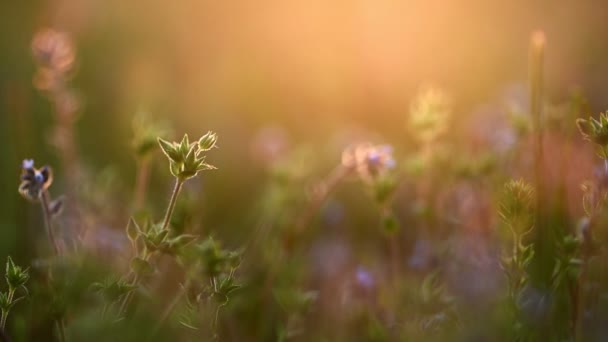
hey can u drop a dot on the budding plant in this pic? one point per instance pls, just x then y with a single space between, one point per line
16 277
517 214
34 187
186 160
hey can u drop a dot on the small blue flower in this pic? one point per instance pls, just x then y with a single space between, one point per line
34 181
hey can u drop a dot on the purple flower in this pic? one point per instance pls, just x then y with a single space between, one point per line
364 278
369 160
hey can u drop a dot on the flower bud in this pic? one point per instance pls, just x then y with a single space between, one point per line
207 141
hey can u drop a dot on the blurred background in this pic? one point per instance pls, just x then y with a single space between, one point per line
309 68
269 77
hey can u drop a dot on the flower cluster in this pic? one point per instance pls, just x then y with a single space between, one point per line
186 158
370 161
34 181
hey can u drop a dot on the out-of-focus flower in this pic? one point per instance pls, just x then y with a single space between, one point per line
370 161
55 55
429 115
270 144
365 279
34 181
53 50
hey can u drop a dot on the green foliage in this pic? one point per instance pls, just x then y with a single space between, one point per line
112 289
16 276
594 130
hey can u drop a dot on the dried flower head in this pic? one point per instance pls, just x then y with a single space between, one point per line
370 161
34 181
429 115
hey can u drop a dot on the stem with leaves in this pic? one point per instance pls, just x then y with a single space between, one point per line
11 294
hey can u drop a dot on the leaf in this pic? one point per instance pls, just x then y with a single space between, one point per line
187 325
141 266
184 146
390 223
56 206
176 168
204 166
183 240
133 230
170 150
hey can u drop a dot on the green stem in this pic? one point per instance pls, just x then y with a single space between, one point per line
44 201
178 186
60 329
141 182
11 294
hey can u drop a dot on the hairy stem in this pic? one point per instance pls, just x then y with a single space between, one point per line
178 186
45 202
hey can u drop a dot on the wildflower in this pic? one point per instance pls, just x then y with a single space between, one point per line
368 160
34 181
53 50
365 279
54 53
